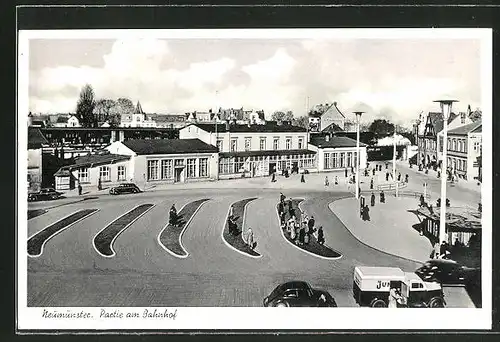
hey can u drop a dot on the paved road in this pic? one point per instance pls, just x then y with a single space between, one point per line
70 272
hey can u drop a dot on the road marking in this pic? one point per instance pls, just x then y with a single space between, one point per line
297 247
143 208
37 241
205 200
242 226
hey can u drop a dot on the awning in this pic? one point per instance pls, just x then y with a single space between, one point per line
265 153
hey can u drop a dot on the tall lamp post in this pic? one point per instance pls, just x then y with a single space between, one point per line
445 110
358 159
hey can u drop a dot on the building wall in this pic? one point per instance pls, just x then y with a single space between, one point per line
94 174
34 169
472 154
320 158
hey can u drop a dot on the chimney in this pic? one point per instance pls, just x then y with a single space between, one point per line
462 118
227 125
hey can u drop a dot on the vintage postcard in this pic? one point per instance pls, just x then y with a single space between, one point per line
254 179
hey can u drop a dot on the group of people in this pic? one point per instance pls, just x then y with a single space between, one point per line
301 229
327 182
286 174
231 223
364 212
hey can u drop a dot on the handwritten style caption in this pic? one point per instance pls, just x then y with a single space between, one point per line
111 314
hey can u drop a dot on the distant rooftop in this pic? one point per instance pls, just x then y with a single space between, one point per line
169 146
268 127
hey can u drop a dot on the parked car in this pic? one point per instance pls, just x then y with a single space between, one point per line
298 293
372 285
44 194
447 272
125 188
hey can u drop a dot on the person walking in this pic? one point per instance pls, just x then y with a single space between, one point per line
372 200
399 177
281 208
173 215
302 234
382 196
336 180
366 213
273 177
371 184
79 189
345 172
373 172
250 238
302 178
282 198
321 236
99 184
327 183
406 178
387 176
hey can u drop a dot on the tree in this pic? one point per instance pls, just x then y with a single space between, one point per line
282 116
126 106
301 121
476 115
381 127
85 107
103 108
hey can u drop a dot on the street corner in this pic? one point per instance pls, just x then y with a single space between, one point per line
388 227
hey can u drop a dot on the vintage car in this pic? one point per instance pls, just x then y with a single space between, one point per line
44 194
124 188
371 288
298 293
448 272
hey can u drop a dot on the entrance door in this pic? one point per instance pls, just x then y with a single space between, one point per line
177 175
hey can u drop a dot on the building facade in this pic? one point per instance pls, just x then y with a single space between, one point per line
464 147
255 150
137 119
460 120
168 161
335 153
34 175
324 116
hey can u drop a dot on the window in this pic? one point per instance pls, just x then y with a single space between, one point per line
465 165
448 146
262 145
166 169
327 161
276 143
191 168
349 159
301 143
454 145
153 170
288 143
179 162
219 144
121 173
234 145
248 144
203 167
334 160
355 159
417 286
83 175
104 173
342 157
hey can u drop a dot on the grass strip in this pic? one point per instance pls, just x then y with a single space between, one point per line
35 212
170 236
103 240
36 242
313 246
236 240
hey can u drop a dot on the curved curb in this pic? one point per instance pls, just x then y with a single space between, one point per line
303 250
243 220
121 231
182 232
364 243
59 231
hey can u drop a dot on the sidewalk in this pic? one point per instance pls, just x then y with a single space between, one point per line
390 226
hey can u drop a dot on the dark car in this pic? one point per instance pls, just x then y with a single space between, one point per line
44 194
447 272
298 293
125 188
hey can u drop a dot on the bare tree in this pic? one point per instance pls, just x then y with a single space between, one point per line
85 107
103 108
301 121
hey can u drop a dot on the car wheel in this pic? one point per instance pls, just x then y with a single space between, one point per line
436 302
378 303
281 305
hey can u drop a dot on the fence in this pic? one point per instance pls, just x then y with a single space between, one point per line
391 186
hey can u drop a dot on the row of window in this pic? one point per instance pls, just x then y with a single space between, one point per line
233 144
161 169
234 165
457 164
336 160
427 144
104 174
458 145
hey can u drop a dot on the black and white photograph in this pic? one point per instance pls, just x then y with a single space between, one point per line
203 179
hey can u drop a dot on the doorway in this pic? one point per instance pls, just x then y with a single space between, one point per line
178 175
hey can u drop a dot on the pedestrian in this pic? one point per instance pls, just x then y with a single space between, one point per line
305 220
79 189
371 184
387 176
336 180
302 234
280 208
439 174
283 217
250 238
99 184
345 172
231 208
366 213
302 179
422 200
394 295
282 198
372 200
386 166
310 224
406 178
327 183
373 172
321 236
273 177
293 234
399 177
173 215
352 169
382 196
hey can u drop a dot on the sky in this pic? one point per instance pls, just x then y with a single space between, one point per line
395 79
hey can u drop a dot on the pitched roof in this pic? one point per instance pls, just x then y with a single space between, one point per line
138 108
333 127
333 108
62 119
170 118
333 142
268 127
463 130
97 159
169 146
35 138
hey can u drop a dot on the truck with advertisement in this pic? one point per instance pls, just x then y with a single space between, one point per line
371 287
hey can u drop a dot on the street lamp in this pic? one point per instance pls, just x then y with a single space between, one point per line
394 162
358 118
445 110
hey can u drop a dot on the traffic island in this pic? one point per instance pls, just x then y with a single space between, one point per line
170 237
103 241
313 246
35 212
235 237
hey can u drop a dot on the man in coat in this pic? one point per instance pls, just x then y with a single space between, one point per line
372 199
